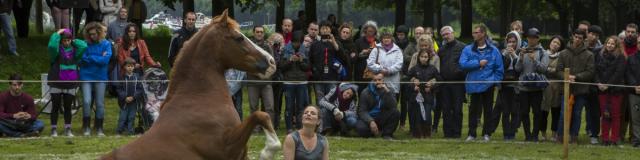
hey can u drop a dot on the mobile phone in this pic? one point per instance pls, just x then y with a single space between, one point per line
325 36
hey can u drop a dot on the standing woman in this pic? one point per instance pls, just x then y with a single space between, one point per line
109 10
386 58
610 69
93 68
551 95
65 52
306 143
60 14
132 45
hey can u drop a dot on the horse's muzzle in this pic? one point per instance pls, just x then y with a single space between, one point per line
266 67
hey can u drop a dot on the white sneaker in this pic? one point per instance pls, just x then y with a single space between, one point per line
87 132
54 133
594 140
67 132
470 138
487 138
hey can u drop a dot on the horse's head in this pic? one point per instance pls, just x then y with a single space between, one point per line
240 52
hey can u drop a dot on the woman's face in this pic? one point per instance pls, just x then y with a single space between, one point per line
93 34
370 31
132 33
425 46
66 42
387 40
345 33
310 116
555 45
424 58
610 45
348 94
511 43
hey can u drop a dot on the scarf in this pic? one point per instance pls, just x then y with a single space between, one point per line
343 104
387 47
372 41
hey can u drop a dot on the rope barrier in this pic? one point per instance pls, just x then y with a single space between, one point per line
335 82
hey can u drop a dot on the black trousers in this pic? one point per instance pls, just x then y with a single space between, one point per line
592 107
387 122
555 113
530 103
507 109
451 97
59 100
405 100
21 12
481 105
77 17
277 104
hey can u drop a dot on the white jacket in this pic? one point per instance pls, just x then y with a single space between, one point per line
391 61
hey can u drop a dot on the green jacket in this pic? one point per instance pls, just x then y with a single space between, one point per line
54 50
582 64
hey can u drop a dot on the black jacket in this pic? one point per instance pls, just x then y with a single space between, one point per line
318 60
633 71
425 73
449 55
177 41
367 102
346 48
6 6
360 61
610 70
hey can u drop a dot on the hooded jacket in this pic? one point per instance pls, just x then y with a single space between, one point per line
581 62
492 71
330 100
390 60
510 61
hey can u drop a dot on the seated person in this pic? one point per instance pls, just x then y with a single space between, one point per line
339 109
18 116
305 143
377 113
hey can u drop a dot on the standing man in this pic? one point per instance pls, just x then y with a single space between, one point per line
260 90
5 24
181 36
287 30
21 12
115 29
322 55
592 107
582 64
483 62
453 94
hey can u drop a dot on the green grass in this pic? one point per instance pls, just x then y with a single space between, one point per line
34 60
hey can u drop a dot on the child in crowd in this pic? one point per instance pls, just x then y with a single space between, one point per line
129 96
423 75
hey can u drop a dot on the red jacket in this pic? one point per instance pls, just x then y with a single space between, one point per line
145 57
10 105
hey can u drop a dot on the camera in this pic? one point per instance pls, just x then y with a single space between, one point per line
325 36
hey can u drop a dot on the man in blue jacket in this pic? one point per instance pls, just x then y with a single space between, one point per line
483 62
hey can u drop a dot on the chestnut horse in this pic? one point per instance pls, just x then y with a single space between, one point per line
198 120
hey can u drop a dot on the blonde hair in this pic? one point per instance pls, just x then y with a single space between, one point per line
101 30
424 39
618 50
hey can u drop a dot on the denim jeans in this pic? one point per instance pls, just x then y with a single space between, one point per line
576 115
127 117
237 102
5 24
98 89
36 126
296 99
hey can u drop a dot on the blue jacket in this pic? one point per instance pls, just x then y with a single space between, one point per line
131 87
93 65
492 71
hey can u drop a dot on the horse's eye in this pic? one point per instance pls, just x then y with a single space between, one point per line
239 39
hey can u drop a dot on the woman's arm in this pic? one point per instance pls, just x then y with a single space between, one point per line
325 152
289 148
146 55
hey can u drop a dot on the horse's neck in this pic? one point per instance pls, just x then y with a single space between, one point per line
199 83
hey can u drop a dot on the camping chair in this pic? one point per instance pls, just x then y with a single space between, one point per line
45 101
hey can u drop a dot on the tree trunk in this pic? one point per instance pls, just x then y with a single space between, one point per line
310 11
504 18
39 27
187 6
428 14
340 14
438 9
401 12
465 18
279 15
218 6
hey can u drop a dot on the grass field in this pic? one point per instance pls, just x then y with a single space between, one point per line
34 60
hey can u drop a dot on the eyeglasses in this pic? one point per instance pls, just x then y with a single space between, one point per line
259 31
445 33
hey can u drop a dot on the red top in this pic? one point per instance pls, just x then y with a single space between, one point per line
287 38
631 50
10 105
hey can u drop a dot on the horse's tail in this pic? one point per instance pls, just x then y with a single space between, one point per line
240 135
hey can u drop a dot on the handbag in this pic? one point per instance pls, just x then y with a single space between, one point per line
368 74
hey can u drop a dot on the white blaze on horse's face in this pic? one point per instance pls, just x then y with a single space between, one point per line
270 62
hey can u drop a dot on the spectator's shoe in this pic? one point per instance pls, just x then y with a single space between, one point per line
87 131
636 144
54 133
470 138
15 54
487 138
594 140
30 134
67 132
99 132
388 138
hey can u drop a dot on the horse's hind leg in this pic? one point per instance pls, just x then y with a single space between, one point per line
240 135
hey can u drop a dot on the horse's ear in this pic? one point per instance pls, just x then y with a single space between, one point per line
224 17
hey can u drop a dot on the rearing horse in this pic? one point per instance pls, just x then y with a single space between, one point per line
198 120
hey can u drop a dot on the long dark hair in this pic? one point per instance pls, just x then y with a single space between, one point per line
125 36
563 44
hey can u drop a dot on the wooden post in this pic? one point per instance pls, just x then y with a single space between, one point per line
567 114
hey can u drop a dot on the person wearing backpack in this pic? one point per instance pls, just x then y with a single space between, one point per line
532 66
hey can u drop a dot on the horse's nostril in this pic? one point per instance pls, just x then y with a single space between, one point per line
272 62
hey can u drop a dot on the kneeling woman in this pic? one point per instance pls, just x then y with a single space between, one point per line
339 109
306 144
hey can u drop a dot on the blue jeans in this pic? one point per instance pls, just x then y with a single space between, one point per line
5 24
98 89
296 99
237 102
36 126
127 117
576 115
322 89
